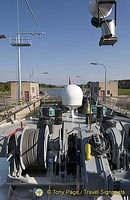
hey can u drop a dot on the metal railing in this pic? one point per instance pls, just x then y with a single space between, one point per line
9 106
23 41
118 102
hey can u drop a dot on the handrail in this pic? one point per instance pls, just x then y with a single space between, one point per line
13 132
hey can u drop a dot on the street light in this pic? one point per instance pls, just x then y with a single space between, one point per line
82 82
40 74
105 77
19 42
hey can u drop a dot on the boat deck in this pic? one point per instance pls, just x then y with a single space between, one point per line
59 190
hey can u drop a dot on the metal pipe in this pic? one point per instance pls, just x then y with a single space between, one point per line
19 70
31 11
19 62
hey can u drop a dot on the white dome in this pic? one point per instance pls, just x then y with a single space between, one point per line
72 95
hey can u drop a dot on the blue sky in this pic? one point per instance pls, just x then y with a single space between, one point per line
70 43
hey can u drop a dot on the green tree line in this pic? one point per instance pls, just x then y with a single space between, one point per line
47 86
124 84
5 87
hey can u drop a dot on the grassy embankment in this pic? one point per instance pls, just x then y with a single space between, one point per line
124 92
4 94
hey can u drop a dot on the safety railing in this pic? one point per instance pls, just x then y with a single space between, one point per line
22 41
118 102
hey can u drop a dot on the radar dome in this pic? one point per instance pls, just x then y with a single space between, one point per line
72 97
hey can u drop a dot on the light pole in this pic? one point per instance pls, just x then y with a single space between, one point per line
19 42
82 82
105 77
22 42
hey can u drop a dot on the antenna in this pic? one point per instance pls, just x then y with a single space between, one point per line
31 11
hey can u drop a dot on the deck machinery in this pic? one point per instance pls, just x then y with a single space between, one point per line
66 156
67 161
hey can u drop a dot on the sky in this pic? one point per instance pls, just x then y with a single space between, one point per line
71 43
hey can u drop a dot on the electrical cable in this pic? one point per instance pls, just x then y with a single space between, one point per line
101 149
32 148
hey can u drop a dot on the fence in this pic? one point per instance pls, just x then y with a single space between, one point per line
9 106
119 103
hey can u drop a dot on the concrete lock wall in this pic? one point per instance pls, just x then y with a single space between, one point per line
25 87
98 89
32 88
14 90
111 88
21 114
22 111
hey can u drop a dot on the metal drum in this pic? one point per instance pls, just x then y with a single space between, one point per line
58 116
33 149
99 112
43 121
108 27
107 122
45 111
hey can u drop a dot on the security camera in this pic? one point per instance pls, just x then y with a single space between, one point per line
100 10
